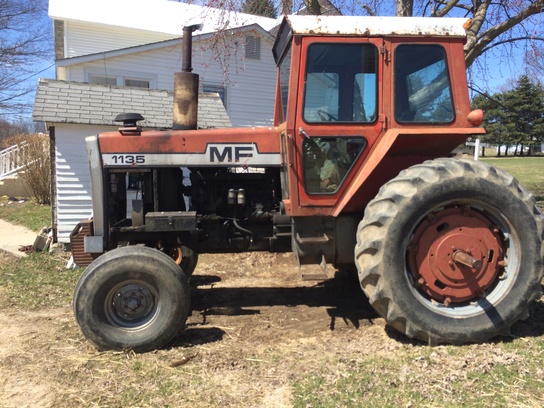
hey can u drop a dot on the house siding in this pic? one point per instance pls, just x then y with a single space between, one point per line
73 183
250 84
84 38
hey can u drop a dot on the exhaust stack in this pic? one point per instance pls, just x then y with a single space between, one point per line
185 108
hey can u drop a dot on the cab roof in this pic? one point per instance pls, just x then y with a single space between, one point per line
376 26
366 27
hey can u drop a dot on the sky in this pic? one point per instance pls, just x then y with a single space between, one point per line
499 69
42 69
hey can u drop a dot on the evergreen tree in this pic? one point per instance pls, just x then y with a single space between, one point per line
265 8
514 117
528 99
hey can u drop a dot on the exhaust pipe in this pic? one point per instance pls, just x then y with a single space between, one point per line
185 109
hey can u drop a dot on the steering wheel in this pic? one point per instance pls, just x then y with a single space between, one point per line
326 116
314 151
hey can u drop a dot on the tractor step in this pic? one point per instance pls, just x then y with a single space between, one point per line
314 272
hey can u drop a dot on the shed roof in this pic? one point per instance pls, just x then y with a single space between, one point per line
93 104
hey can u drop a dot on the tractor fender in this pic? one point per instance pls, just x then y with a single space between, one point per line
394 151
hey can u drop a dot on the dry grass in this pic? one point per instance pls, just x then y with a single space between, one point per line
275 349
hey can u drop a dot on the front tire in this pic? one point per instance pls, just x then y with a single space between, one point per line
132 298
451 251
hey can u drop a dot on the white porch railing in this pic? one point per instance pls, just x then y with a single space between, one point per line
12 160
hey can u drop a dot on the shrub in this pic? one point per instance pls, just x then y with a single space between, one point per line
36 161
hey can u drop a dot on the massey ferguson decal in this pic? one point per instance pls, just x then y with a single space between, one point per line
216 154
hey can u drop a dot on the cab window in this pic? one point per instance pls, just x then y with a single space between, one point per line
340 83
327 161
285 70
422 85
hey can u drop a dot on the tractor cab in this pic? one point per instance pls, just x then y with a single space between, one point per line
344 84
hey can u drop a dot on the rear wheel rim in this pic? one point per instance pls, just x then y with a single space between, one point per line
457 260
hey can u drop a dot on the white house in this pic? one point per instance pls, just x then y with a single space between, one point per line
138 43
115 56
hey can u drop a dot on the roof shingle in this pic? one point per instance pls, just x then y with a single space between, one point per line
93 104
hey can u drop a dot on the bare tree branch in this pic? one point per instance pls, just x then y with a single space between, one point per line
25 40
477 42
447 7
510 41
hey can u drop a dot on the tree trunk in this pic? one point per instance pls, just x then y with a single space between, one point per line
313 6
286 7
405 8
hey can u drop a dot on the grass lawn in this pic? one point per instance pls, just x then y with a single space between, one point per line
528 170
28 214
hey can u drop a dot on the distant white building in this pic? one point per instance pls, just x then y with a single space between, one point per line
115 56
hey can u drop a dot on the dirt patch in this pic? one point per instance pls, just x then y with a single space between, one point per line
262 296
245 307
24 337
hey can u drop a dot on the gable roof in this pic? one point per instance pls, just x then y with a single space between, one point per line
159 16
93 104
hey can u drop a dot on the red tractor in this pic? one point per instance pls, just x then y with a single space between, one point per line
353 172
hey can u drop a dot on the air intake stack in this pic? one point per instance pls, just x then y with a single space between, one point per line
186 86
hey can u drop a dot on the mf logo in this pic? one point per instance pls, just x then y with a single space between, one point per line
230 153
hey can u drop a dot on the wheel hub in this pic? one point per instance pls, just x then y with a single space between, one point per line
132 301
455 255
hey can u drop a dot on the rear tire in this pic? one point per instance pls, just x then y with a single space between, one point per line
132 298
451 251
185 257
189 261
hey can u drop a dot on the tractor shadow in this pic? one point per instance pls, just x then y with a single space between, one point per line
534 325
341 298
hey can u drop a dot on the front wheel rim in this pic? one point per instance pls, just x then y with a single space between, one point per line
132 305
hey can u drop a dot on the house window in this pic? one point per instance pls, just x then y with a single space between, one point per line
119 78
103 80
253 47
138 83
218 89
